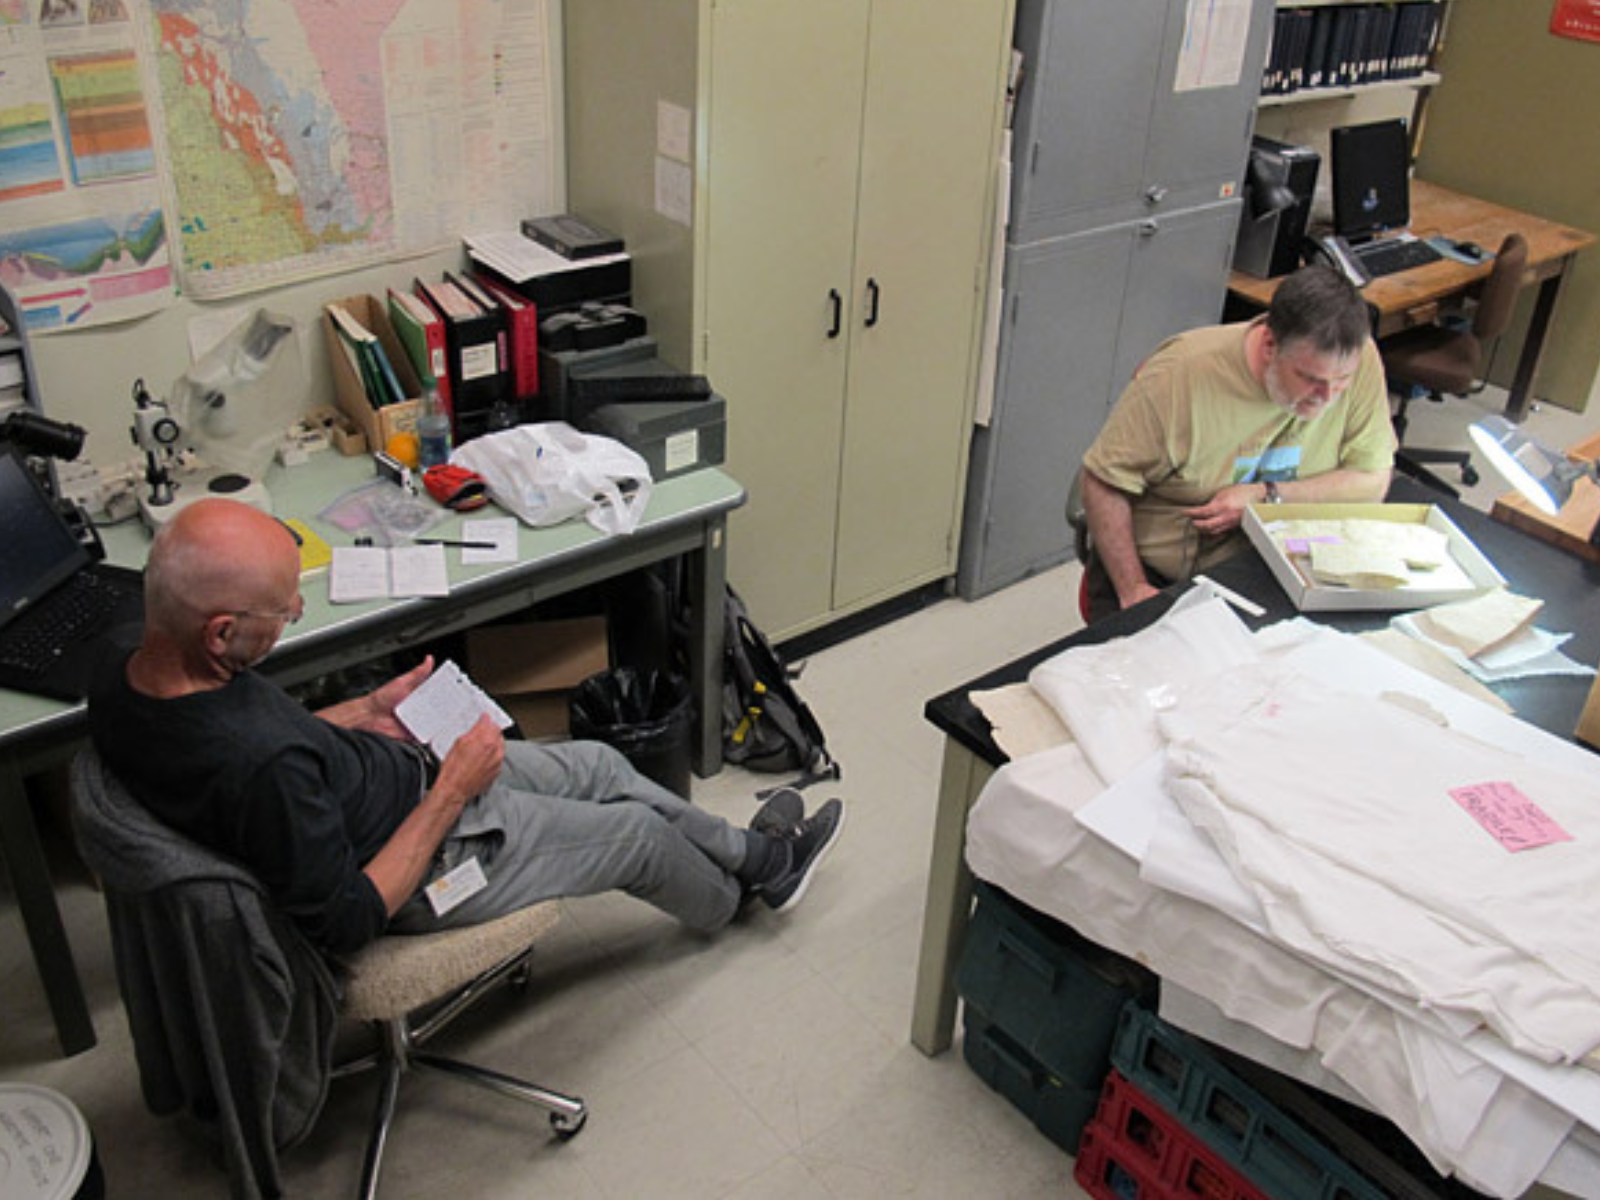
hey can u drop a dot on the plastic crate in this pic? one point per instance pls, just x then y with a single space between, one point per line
1269 1149
1059 1108
1052 992
1148 1155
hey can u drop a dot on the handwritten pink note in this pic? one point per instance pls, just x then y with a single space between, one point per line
1508 816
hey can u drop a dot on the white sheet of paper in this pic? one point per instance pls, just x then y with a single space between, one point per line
418 571
358 573
446 706
502 531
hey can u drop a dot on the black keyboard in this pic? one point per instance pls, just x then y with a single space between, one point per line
70 613
595 390
1392 256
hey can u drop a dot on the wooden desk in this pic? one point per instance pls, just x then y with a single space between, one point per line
1571 528
1410 298
687 518
1567 585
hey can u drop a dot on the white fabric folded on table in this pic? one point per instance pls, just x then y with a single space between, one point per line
1337 814
1467 1116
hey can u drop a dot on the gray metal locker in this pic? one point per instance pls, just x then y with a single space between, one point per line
1124 209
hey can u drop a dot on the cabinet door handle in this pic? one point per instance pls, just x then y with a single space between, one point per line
837 301
872 303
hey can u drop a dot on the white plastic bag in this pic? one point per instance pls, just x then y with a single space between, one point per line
549 473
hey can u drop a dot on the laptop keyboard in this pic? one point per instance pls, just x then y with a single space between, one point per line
1392 256
73 611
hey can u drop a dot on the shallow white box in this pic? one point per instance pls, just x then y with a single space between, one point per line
1309 596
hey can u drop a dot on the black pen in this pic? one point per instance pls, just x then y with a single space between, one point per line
452 542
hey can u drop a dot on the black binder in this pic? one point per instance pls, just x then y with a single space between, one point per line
474 343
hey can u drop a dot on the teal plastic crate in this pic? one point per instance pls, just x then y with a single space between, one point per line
1052 992
1271 1150
1059 1108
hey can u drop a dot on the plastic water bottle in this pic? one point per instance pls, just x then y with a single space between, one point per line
433 430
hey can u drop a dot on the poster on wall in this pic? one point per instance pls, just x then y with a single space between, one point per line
83 239
1578 19
219 147
306 138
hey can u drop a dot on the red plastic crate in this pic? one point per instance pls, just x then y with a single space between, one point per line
1135 1150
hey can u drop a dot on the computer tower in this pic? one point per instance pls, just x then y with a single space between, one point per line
1279 184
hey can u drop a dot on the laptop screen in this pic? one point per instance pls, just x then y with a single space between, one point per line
38 551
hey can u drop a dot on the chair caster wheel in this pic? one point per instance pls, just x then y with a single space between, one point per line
1469 476
566 1128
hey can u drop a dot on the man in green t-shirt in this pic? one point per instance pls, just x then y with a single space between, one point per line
1289 407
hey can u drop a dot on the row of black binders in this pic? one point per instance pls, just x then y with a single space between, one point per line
1341 46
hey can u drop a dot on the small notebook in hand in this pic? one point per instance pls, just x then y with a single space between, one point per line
445 707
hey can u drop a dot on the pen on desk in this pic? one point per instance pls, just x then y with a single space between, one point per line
453 542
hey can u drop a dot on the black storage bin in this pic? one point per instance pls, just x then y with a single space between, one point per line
647 715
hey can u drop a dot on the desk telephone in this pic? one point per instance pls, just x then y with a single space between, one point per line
1334 251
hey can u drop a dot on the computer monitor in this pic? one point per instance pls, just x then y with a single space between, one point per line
1371 179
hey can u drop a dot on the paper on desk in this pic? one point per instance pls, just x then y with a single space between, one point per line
358 573
418 571
377 573
1020 721
502 531
521 258
445 707
1532 652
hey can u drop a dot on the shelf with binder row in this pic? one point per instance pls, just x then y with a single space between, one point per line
1310 95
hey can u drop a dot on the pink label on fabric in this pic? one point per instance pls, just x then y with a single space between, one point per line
1508 816
1303 545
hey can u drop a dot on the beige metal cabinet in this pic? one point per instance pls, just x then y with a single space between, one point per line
833 275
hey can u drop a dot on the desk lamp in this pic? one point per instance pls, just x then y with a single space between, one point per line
1545 477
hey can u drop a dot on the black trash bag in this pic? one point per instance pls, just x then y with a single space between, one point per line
647 715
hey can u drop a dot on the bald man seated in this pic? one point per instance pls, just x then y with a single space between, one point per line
346 820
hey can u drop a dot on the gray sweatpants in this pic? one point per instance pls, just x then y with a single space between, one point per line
574 819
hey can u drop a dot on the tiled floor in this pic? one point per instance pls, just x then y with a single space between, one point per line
771 1061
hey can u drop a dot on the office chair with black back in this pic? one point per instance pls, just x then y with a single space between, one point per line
233 1012
1443 360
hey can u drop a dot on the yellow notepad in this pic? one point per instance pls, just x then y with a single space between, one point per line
315 553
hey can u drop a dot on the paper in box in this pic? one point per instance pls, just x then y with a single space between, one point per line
1309 596
530 669
377 424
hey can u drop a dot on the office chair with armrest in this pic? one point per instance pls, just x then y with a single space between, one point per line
1444 360
233 1012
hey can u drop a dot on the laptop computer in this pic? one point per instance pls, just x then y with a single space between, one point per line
59 609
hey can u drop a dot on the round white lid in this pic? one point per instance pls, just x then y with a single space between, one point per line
44 1144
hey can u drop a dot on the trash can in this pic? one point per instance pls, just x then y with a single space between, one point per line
647 715
46 1151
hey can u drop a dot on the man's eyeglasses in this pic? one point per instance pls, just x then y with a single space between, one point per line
289 616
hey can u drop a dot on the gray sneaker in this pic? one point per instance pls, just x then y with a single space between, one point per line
782 814
809 845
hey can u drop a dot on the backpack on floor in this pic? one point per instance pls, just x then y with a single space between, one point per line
765 724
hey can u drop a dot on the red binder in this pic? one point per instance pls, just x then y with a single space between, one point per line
522 319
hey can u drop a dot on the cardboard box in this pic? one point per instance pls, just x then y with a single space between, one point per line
1309 596
531 669
377 424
